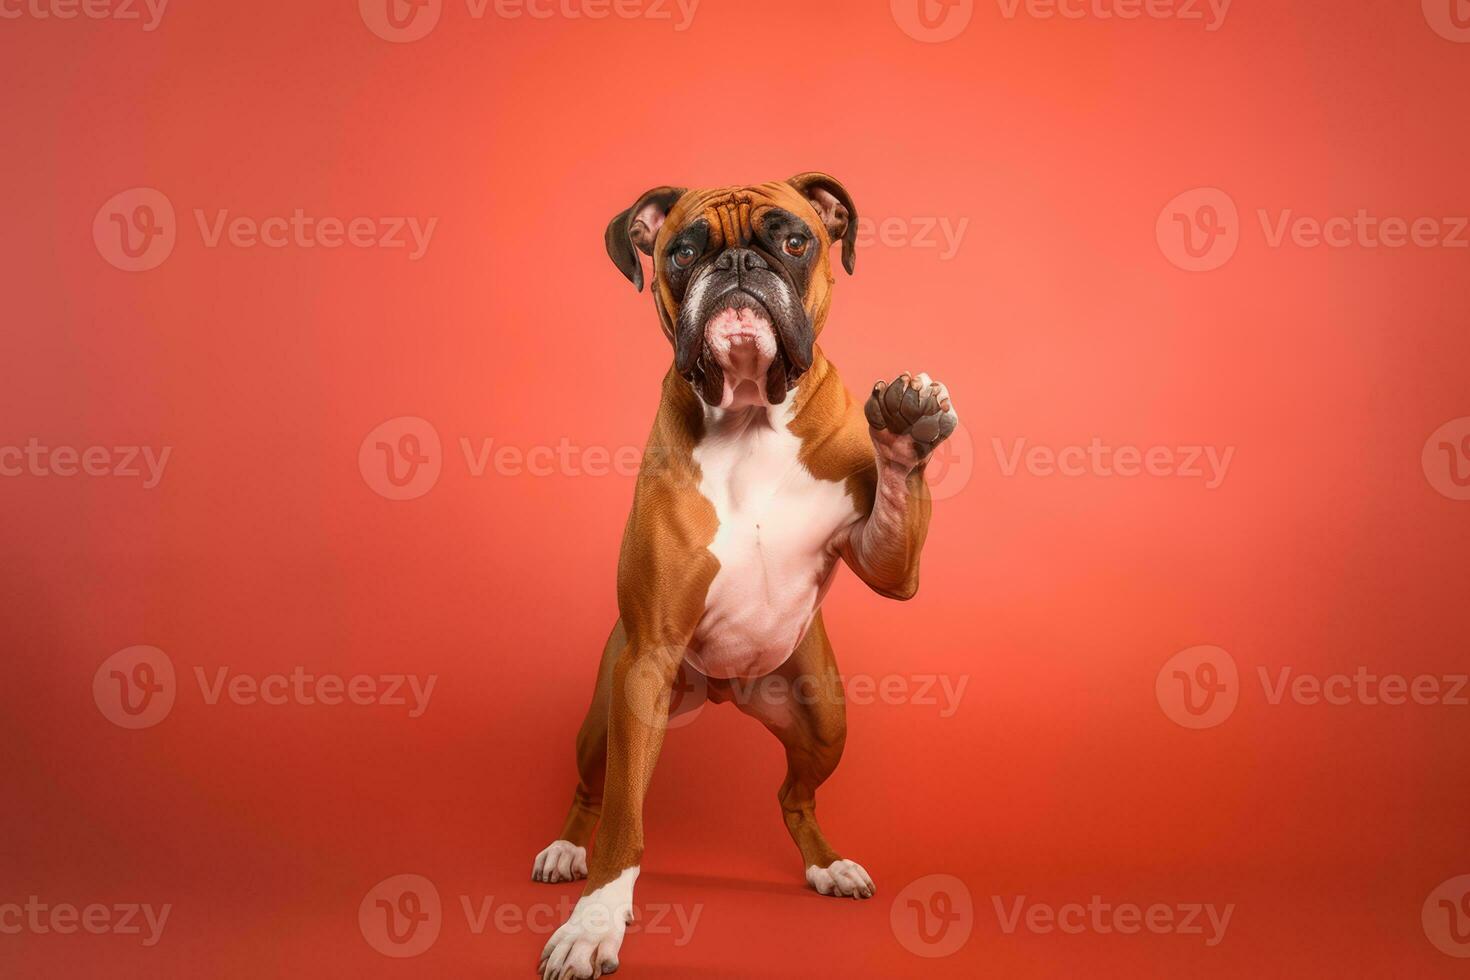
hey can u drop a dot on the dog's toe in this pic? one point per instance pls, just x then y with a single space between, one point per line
561 861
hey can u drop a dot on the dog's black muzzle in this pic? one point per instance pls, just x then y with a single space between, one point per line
742 278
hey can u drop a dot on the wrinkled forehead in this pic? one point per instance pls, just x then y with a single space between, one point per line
733 211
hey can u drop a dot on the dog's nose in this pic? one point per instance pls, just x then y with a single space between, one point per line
739 260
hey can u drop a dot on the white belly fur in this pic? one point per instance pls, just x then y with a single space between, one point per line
776 521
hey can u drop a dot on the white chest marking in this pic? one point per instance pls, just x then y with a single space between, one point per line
776 521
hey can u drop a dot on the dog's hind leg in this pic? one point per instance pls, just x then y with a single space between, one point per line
803 706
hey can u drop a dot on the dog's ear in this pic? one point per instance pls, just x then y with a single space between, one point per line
834 206
637 226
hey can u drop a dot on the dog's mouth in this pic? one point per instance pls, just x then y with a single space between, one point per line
742 361
744 351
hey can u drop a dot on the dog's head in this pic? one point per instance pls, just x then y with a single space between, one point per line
741 278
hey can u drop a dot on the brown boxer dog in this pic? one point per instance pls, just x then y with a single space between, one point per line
761 472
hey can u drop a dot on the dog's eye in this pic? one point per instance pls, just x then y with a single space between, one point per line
685 255
796 245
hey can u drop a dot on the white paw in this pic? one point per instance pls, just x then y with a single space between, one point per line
587 944
561 861
841 879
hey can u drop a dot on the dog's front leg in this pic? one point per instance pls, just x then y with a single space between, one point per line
907 420
587 944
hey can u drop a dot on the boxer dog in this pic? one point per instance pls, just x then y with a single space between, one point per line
760 473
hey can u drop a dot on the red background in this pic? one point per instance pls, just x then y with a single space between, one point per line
1059 320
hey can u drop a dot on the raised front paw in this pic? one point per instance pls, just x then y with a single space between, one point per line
910 417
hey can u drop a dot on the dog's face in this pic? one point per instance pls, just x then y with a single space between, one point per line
741 277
